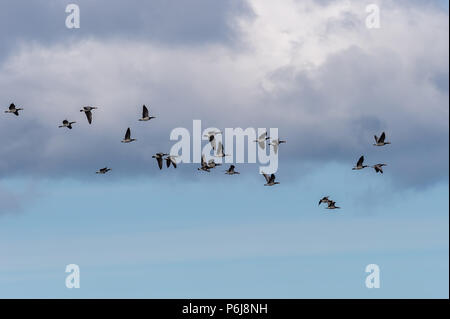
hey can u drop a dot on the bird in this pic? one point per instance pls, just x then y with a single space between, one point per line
171 160
145 116
159 159
128 138
212 164
88 111
360 165
262 140
220 151
270 180
275 144
379 141
231 170
378 168
103 170
324 200
67 124
205 167
211 135
332 205
13 109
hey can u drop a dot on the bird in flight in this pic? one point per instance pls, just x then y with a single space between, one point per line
324 200
378 168
332 205
205 166
128 138
262 140
103 170
145 116
159 159
360 165
379 141
270 180
171 160
275 144
88 111
67 124
13 109
231 171
211 135
220 151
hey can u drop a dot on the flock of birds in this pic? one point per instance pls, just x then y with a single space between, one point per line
219 148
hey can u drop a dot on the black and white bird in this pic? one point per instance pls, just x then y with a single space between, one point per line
159 159
379 141
262 140
67 124
204 165
231 171
359 164
13 109
332 205
324 200
88 111
270 180
171 159
220 150
275 144
103 170
145 116
211 135
378 168
213 164
127 138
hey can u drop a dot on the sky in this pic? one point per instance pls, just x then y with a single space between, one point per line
311 68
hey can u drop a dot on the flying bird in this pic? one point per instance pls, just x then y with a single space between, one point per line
88 111
220 151
212 164
379 141
103 170
324 200
171 160
270 180
262 140
360 165
13 109
128 138
67 124
332 205
145 116
231 171
378 168
205 167
275 144
211 135
159 159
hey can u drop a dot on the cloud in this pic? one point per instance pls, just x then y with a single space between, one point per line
311 69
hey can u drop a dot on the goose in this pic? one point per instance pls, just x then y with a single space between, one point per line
88 111
103 170
378 168
275 144
220 151
159 159
171 160
211 135
360 165
67 124
145 116
324 200
262 140
205 167
379 141
128 138
13 109
212 164
231 171
270 180
332 205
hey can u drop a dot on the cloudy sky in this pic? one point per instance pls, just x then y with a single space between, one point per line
310 68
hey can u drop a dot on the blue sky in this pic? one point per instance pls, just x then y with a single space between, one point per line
323 79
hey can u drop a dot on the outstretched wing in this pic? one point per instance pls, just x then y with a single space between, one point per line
376 138
266 177
12 106
89 116
272 178
167 161
160 162
128 134
382 137
360 161
263 136
275 148
144 111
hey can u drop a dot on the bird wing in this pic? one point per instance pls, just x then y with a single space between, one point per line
65 122
263 136
144 111
203 160
376 138
360 161
174 162
167 161
262 144
12 106
272 178
213 142
266 177
128 134
275 147
159 160
231 169
89 116
382 137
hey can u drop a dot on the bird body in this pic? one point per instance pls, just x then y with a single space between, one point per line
13 109
67 124
204 165
171 160
270 180
262 140
220 151
324 200
231 171
103 170
378 168
145 115
379 141
127 138
359 164
332 205
275 144
159 159
88 111
211 135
